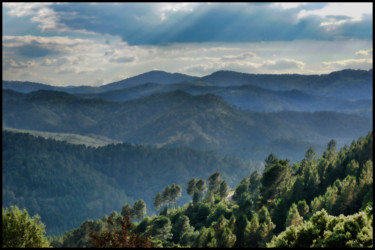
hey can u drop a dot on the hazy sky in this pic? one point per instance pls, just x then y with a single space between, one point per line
98 43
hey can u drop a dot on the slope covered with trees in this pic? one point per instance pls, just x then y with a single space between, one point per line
205 122
66 183
272 209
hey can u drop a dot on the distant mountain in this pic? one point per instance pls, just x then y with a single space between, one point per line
26 87
348 84
247 97
155 76
345 84
205 122
158 77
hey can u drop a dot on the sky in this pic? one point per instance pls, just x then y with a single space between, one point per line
98 43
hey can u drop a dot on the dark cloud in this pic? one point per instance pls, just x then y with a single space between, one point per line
338 17
35 51
141 23
124 59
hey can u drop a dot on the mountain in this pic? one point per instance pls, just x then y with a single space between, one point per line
345 84
204 122
66 183
155 76
26 87
348 84
247 97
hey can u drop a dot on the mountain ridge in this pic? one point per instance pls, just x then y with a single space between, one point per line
177 118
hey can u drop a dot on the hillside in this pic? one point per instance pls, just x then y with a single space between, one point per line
205 122
322 201
66 183
89 140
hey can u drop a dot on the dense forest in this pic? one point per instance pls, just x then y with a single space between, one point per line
318 202
323 201
67 183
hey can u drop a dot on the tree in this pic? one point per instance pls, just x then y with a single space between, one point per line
21 231
196 188
303 208
201 187
139 209
332 145
270 160
271 180
310 154
214 182
176 192
123 239
161 228
255 179
167 195
158 201
224 189
126 209
191 186
181 227
239 230
266 227
293 217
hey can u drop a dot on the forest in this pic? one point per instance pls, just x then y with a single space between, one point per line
320 201
170 160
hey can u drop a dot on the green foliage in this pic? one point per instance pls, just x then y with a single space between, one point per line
19 230
196 188
293 218
182 229
272 178
138 210
303 208
324 230
214 182
161 228
310 154
158 201
67 184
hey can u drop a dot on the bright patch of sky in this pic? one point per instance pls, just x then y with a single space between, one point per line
98 43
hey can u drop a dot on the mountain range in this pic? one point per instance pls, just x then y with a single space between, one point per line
205 122
151 130
348 91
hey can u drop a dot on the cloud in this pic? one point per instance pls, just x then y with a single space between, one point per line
166 23
124 59
283 64
244 56
39 46
367 52
11 64
349 63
